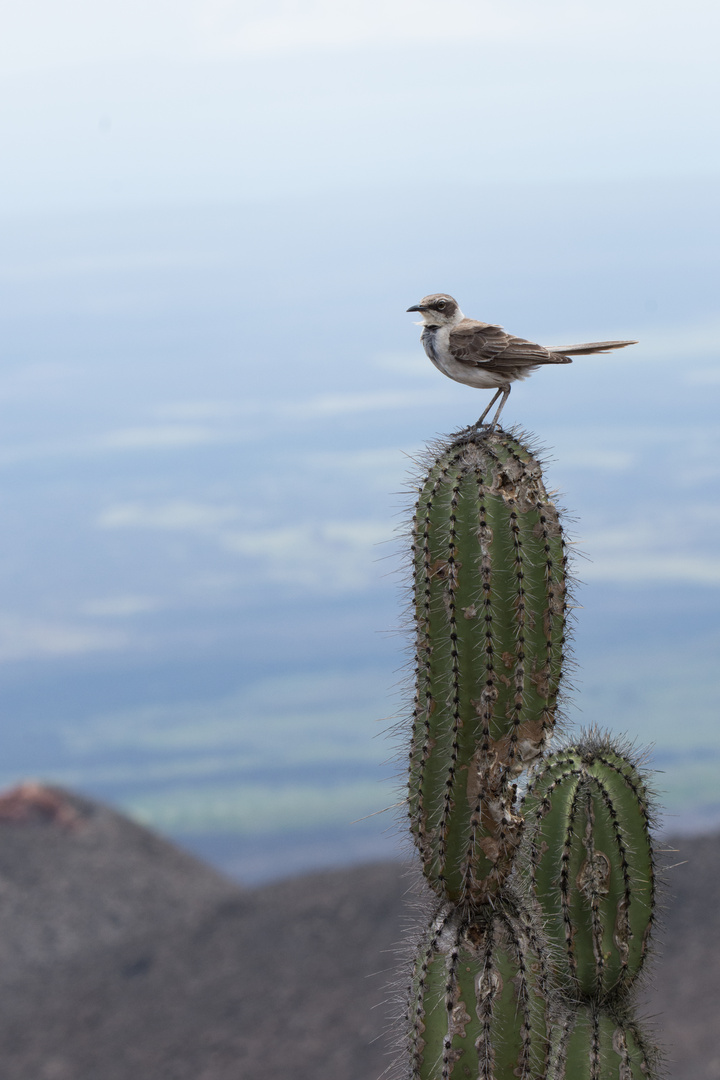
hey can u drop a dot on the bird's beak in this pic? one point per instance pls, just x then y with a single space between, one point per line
416 307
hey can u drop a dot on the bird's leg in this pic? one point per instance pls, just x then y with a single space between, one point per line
494 399
506 394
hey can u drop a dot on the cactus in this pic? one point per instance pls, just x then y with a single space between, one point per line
489 589
479 995
588 821
529 966
591 1043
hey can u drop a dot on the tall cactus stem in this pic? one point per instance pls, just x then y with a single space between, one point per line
490 610
528 968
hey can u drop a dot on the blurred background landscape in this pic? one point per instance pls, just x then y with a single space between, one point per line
213 217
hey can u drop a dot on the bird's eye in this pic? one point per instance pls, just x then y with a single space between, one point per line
441 304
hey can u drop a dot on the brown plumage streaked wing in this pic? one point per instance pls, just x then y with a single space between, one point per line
477 343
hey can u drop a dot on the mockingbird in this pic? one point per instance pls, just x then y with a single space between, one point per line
484 355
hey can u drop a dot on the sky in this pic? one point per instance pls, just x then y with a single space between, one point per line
213 218
115 104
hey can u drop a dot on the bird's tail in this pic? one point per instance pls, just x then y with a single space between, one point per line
588 348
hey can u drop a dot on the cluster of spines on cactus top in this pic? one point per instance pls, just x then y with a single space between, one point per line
490 607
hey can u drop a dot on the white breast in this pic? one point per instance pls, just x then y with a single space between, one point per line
437 346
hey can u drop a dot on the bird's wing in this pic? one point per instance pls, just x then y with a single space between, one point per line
477 343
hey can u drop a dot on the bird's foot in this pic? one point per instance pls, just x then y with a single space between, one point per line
484 428
473 432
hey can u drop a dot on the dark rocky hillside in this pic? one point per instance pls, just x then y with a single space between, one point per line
122 958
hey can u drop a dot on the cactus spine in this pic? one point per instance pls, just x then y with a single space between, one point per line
528 965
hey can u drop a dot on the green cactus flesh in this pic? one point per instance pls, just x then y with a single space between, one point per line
489 604
592 862
593 1044
478 1004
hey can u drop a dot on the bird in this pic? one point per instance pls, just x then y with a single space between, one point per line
484 355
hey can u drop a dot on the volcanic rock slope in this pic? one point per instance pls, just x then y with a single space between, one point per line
123 958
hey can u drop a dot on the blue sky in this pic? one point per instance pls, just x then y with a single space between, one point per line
213 219
117 104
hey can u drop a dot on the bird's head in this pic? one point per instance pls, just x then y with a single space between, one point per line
438 309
